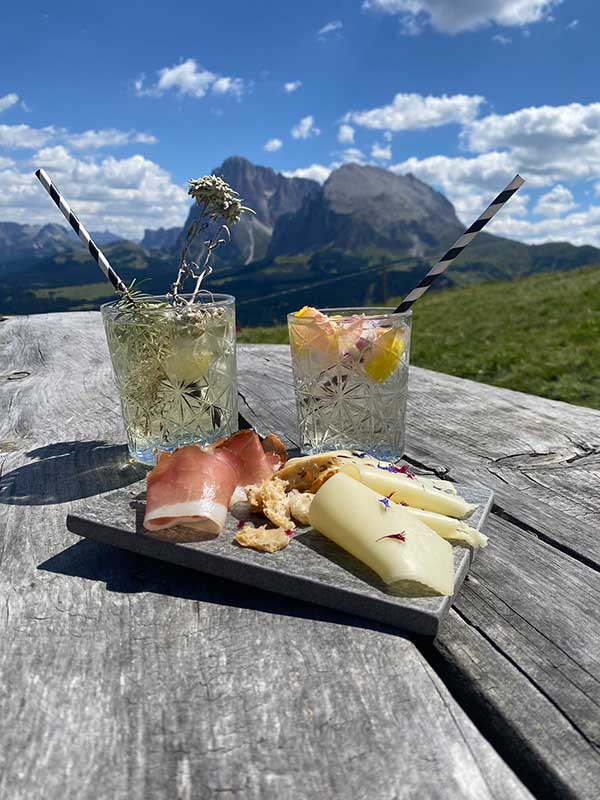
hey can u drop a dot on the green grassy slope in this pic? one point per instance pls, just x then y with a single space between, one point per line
540 334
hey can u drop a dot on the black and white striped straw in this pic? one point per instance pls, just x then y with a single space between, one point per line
79 229
460 244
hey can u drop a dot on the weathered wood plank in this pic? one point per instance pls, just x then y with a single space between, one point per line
121 677
527 631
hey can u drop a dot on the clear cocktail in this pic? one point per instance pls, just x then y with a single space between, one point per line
351 378
175 369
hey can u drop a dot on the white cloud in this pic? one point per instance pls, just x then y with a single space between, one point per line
387 135
6 162
189 78
316 172
500 39
414 111
345 134
470 183
305 128
463 15
272 145
556 202
333 27
8 100
351 155
581 227
573 24
381 152
291 86
25 137
549 143
108 137
122 195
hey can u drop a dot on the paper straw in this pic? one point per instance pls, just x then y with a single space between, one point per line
87 240
460 244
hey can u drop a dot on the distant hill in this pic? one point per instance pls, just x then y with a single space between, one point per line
41 241
32 241
539 334
364 236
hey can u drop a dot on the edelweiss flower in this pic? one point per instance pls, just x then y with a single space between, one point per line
218 198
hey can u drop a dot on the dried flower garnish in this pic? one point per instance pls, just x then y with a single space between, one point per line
401 537
220 204
403 470
385 501
241 524
289 533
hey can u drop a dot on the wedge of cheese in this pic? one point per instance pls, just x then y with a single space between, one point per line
411 491
448 528
402 550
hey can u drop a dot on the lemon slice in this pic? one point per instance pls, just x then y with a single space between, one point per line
386 351
187 364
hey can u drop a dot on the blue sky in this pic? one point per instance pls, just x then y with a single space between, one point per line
122 102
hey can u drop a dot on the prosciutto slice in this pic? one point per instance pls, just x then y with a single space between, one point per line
192 487
258 460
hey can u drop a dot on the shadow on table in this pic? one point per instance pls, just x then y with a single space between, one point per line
65 471
128 573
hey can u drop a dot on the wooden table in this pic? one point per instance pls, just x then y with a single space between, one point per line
122 677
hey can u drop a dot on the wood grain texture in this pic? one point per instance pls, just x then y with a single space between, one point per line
121 677
522 649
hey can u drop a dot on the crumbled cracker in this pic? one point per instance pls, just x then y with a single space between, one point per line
266 540
299 503
275 503
254 495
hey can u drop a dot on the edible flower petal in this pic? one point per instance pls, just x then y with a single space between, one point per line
385 501
401 537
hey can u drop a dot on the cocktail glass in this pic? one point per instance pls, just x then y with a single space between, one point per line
351 379
175 369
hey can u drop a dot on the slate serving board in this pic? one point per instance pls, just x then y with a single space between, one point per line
311 568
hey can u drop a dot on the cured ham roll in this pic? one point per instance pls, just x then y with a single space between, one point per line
401 549
411 491
257 460
191 487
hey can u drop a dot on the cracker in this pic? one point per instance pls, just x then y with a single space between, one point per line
321 478
266 540
301 473
299 503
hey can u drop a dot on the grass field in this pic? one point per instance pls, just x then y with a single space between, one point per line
539 334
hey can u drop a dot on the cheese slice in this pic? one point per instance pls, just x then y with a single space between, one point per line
353 516
448 528
411 491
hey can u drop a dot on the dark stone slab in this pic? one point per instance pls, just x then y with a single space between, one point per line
311 568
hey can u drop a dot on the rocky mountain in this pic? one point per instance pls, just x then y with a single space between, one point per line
270 194
160 239
364 208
